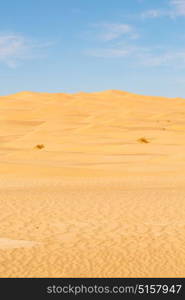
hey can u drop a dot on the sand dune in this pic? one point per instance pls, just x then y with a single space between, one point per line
96 200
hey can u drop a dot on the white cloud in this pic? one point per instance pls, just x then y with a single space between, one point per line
175 8
114 31
155 13
15 48
173 58
148 57
119 45
109 52
111 31
117 52
179 7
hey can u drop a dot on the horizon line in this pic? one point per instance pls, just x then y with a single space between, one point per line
113 91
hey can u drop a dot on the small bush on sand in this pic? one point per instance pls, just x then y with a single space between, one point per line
39 146
143 140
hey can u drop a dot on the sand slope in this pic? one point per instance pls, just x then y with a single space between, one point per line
96 200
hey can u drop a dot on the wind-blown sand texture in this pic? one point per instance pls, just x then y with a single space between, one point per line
92 185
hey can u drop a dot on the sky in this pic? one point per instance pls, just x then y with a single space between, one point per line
68 46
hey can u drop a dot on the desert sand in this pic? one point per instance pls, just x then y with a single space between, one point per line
92 185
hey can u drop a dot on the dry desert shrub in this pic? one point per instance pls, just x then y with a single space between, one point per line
39 146
143 140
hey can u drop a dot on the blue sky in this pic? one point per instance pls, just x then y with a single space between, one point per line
93 45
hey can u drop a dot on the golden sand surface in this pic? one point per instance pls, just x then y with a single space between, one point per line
92 185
